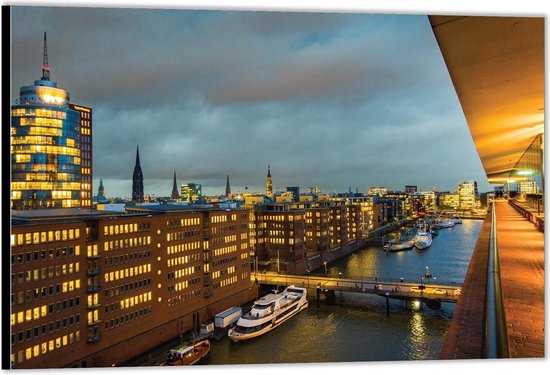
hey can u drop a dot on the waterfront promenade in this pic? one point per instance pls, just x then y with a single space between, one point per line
521 254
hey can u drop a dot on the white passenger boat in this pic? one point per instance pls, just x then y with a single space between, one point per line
269 312
423 237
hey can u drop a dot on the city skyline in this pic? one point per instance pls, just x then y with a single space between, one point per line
328 100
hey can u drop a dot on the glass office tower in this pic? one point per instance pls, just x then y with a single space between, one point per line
45 148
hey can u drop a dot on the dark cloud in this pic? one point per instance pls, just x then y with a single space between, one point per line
334 100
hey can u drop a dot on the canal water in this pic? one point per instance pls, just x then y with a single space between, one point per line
356 328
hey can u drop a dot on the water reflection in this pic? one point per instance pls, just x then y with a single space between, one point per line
356 327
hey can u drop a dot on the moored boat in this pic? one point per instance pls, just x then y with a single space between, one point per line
423 237
269 312
188 354
406 245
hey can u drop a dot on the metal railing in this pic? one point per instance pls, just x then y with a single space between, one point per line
496 336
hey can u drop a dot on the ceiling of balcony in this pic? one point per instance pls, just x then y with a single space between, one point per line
496 65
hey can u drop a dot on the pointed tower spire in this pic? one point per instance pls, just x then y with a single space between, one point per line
101 190
227 188
137 181
45 67
268 183
175 194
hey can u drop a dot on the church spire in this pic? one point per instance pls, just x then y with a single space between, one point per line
268 183
175 194
137 181
101 190
227 188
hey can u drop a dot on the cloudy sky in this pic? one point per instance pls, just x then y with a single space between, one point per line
333 100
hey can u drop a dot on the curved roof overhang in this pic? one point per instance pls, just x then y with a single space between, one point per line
496 65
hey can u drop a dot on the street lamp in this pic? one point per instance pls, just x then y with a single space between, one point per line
326 270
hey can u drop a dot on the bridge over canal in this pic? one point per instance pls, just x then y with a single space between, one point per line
430 293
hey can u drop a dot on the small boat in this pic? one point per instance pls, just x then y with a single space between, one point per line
423 237
188 354
269 312
395 247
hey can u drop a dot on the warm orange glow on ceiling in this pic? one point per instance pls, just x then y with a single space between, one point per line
497 68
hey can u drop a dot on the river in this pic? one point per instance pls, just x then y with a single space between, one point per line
355 328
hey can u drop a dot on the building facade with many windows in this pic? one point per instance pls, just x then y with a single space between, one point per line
100 288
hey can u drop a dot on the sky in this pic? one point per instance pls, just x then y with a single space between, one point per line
334 100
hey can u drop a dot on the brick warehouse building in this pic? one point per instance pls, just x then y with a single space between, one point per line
100 288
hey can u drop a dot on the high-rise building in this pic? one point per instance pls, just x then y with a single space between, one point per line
295 190
137 181
410 189
51 147
468 197
175 194
268 183
191 192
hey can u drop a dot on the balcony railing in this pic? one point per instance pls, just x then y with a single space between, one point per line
496 336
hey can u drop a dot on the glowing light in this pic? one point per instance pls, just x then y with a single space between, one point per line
525 173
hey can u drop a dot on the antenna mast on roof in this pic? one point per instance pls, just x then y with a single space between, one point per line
45 67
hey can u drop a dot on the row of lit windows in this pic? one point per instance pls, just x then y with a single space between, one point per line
46 347
40 112
225 282
109 230
178 223
41 121
178 286
44 237
184 272
127 288
244 256
223 240
131 301
184 297
183 247
175 236
37 185
228 271
126 243
138 314
53 150
222 218
127 272
183 260
28 315
46 273
225 250
45 329
86 131
86 170
45 172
